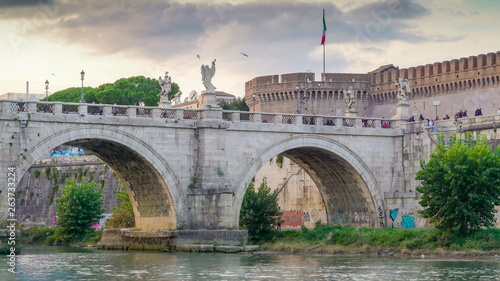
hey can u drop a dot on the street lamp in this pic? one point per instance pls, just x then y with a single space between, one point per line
82 98
298 98
46 89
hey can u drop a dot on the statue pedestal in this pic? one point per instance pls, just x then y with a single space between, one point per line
165 104
402 111
208 100
351 113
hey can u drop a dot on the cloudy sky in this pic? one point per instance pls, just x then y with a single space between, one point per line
109 39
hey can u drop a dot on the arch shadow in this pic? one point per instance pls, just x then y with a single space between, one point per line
349 190
147 177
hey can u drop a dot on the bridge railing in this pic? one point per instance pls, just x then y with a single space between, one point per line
306 120
130 111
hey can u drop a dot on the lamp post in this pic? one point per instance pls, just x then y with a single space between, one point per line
297 87
46 89
82 98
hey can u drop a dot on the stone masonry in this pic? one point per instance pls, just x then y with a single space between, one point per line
189 169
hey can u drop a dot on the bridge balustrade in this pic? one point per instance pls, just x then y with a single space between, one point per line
69 109
127 111
167 113
95 110
144 112
267 118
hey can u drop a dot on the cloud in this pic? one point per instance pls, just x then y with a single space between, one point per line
278 36
23 3
156 29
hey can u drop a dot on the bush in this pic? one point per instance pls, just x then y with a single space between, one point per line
79 207
36 234
123 213
260 212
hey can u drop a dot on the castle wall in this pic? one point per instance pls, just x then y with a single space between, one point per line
460 84
487 99
298 92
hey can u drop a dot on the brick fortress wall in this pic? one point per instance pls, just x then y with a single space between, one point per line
279 93
459 84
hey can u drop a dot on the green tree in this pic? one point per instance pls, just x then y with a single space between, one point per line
238 104
123 213
124 91
260 211
460 184
79 207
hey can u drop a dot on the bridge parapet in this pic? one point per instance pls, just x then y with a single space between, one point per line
11 109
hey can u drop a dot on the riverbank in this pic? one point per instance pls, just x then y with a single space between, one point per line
343 240
384 242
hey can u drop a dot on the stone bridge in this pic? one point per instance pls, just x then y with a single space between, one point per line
189 169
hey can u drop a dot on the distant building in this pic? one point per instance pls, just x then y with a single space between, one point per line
437 89
192 104
21 96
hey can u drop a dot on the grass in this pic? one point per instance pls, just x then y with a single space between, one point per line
46 236
338 239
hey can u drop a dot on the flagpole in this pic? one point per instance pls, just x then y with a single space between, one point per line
324 62
323 38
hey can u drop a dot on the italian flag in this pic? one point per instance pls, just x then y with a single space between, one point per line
323 38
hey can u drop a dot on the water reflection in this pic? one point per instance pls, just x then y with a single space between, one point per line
59 263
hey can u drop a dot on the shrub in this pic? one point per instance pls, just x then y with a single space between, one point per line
79 207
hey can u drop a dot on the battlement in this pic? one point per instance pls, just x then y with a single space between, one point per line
445 71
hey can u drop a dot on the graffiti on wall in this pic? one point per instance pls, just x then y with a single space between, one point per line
357 217
394 214
292 218
409 219
381 216
408 222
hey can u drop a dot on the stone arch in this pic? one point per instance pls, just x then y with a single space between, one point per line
344 180
148 178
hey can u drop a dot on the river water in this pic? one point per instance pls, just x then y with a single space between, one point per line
63 263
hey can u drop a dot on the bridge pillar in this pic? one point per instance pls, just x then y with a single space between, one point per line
210 194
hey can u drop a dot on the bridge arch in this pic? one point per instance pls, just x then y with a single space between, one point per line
148 179
349 189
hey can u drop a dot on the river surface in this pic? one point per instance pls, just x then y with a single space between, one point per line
64 263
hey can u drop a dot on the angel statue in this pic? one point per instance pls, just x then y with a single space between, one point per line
404 89
206 76
166 87
350 98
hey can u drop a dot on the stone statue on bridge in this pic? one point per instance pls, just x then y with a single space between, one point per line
206 76
403 89
350 98
166 87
